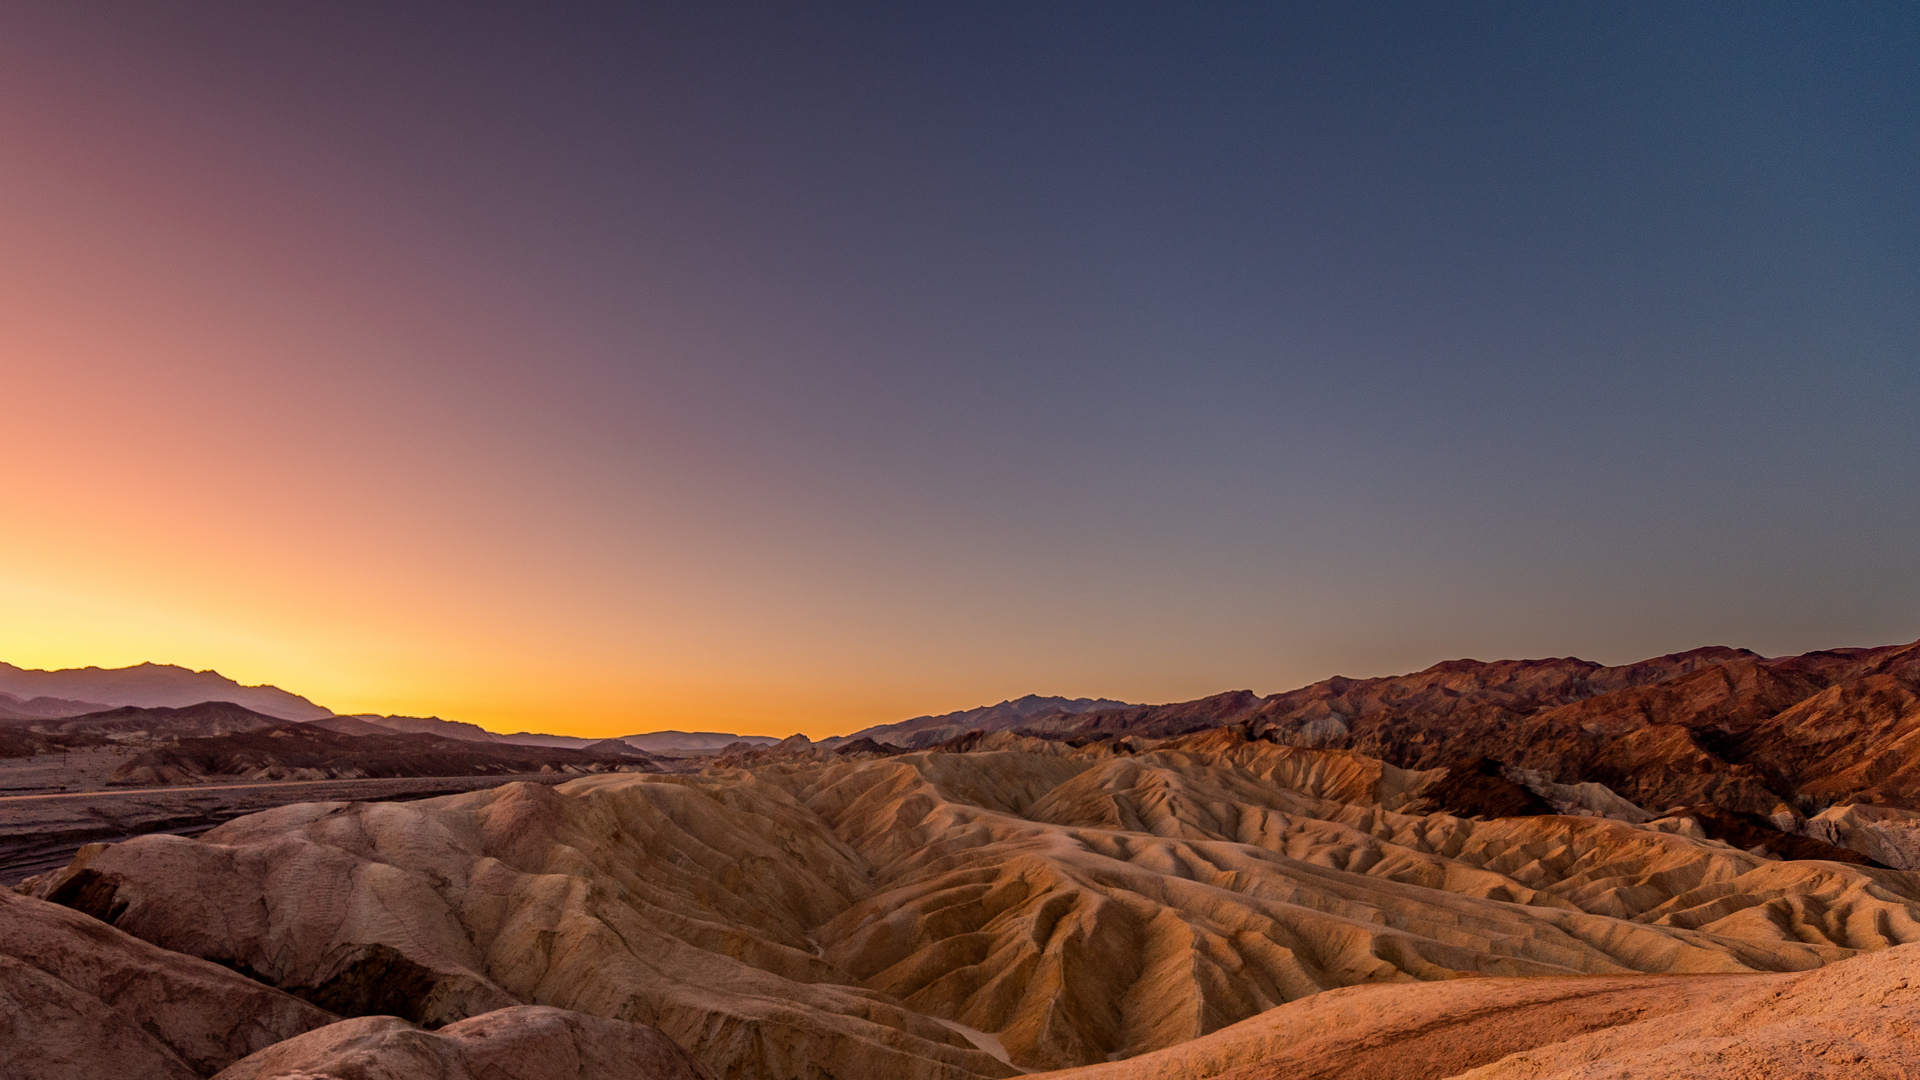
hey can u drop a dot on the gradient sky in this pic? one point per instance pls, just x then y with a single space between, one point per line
603 368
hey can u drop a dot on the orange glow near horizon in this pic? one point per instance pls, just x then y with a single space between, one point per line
507 369
224 457
238 443
347 667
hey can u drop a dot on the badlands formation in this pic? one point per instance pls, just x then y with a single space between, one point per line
1032 907
1260 899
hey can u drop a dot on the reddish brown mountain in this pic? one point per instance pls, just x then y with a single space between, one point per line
1749 746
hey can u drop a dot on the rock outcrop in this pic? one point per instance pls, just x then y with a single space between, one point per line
80 1000
527 1042
1753 746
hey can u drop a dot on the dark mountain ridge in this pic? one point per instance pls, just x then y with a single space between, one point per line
307 752
219 740
152 724
154 686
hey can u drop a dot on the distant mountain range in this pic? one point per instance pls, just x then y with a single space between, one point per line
28 694
150 686
1763 752
1753 746
43 708
931 730
691 741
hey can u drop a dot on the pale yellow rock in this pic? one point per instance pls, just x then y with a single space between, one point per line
1416 1031
1858 1020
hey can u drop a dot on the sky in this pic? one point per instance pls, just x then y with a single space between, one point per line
600 368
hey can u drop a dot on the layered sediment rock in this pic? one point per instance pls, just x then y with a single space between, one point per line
833 918
1853 1019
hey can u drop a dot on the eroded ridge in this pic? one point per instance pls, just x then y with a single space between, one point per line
860 918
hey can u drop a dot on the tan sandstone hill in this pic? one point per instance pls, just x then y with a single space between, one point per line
523 1043
1854 1020
957 915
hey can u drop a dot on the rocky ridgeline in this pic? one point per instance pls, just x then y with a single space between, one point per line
1813 756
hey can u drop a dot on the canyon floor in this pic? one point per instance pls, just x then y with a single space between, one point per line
1204 906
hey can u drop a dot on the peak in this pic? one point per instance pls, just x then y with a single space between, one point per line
1465 663
1727 652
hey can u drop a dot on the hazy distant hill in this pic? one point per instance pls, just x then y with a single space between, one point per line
313 752
157 724
460 729
43 708
929 730
150 686
28 694
428 725
691 741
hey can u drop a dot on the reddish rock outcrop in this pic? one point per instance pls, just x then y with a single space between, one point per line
1758 745
80 1000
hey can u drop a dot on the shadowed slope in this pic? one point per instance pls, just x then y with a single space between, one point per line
684 904
1176 893
80 1000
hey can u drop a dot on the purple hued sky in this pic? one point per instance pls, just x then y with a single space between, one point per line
607 367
